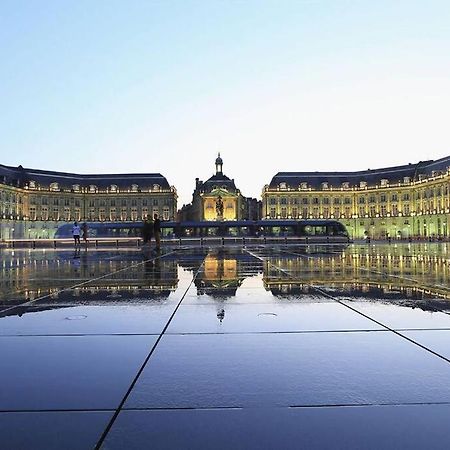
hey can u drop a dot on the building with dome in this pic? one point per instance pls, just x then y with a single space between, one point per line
35 203
394 202
218 198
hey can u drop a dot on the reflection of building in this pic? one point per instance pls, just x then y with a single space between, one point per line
218 199
19 281
403 201
34 203
373 275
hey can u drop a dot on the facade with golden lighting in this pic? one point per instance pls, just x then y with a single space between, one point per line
218 199
34 203
395 202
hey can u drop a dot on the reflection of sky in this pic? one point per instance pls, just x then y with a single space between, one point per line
98 79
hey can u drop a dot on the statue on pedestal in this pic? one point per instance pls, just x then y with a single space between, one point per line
219 208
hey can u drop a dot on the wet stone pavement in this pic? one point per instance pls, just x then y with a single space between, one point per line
244 348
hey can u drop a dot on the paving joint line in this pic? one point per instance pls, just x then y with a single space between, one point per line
134 381
30 302
366 316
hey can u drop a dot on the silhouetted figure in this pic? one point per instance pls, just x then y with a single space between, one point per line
157 231
84 228
147 230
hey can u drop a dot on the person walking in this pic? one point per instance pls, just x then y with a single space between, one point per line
147 230
76 231
157 231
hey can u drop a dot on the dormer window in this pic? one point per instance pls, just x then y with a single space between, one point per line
76 187
134 188
32 184
345 185
384 182
324 186
156 187
113 188
363 184
54 186
304 185
283 186
92 188
406 180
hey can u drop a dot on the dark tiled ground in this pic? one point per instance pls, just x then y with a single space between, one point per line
266 347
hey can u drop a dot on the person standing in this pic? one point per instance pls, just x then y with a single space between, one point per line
85 233
147 230
76 231
157 230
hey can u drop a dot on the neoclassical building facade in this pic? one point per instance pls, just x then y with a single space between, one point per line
218 198
397 202
34 203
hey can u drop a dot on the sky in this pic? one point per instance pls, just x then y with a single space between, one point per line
163 86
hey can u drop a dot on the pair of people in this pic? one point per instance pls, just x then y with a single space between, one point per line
152 228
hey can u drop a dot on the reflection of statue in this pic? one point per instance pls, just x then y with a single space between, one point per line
219 206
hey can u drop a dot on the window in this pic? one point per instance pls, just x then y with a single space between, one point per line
304 185
315 200
362 200
155 202
336 201
54 186
305 201
76 187
384 182
326 201
363 184
134 188
113 188
394 197
382 197
283 201
166 213
283 186
156 187
92 188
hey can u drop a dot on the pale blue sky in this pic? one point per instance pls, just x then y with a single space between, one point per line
109 86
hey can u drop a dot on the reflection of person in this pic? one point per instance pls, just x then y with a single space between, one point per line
157 231
147 230
76 231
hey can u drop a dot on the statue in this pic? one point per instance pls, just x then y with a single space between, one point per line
219 207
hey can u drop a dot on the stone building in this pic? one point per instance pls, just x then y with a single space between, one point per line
397 202
218 198
34 203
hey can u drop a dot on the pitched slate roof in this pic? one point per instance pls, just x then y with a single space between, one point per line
19 176
371 177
